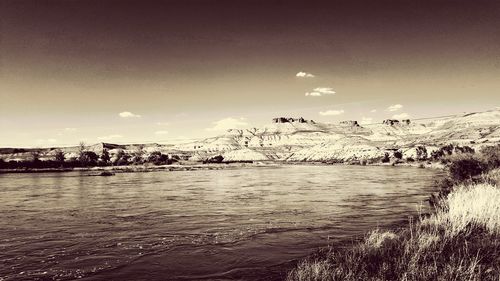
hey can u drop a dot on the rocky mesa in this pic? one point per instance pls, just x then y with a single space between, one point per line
297 139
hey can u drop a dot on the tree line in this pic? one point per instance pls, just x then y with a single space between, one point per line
89 158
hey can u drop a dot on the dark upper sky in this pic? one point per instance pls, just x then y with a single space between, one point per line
77 64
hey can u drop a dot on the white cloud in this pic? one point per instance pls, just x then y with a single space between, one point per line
401 116
303 74
228 123
331 112
46 140
65 131
128 114
395 107
161 132
162 123
366 120
109 137
373 110
318 92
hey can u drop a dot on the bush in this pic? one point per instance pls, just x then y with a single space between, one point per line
465 167
105 158
59 156
386 158
491 155
88 158
121 158
158 158
215 159
421 152
398 154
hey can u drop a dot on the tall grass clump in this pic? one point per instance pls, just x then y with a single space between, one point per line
460 240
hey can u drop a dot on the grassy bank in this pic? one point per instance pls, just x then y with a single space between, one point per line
459 241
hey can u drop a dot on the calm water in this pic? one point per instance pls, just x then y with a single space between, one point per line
186 225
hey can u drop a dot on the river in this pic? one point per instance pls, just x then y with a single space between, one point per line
244 224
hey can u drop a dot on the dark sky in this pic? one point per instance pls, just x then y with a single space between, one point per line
77 64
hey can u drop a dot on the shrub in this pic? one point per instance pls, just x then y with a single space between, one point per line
465 167
59 156
386 158
398 154
421 152
121 158
491 155
158 158
88 158
215 159
105 158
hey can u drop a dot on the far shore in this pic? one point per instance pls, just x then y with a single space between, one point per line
194 166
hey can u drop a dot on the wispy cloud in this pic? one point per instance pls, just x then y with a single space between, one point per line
373 110
228 123
395 107
401 116
331 112
65 131
303 74
128 114
366 120
161 132
320 91
162 123
109 137
46 141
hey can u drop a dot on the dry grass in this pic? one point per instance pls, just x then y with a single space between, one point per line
469 207
459 242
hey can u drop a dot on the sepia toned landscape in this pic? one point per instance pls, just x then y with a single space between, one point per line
249 140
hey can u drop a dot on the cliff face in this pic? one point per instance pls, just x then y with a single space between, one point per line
297 139
347 141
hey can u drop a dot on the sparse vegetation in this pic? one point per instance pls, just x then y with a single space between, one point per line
421 152
459 241
85 157
386 158
105 158
59 156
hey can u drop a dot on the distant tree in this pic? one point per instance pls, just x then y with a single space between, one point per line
157 158
105 158
35 156
421 152
81 148
122 158
138 154
88 158
59 156
386 158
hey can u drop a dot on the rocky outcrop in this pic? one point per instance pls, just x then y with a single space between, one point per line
291 120
298 139
342 150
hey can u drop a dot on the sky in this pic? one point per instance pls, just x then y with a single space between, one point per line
165 71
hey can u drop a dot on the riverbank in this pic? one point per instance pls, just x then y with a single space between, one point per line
193 166
145 168
459 241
